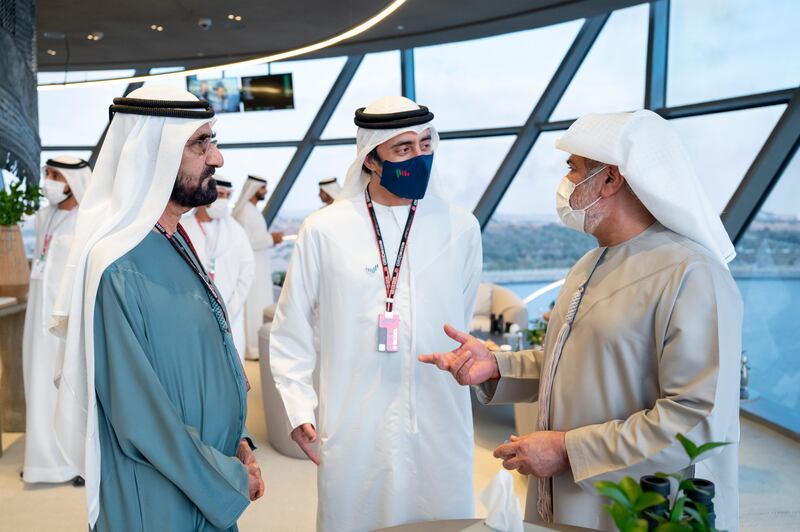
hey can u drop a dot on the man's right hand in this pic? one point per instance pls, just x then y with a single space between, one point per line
304 436
470 363
277 237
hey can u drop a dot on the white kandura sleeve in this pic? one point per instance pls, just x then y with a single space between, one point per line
292 354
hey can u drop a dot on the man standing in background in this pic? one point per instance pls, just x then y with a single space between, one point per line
262 241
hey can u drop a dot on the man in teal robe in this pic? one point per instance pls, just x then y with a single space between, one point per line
169 387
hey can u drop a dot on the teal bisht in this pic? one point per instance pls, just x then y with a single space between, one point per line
170 398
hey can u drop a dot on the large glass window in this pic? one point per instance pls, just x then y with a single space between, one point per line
466 166
611 77
491 82
722 147
767 270
377 76
719 49
76 116
268 163
303 199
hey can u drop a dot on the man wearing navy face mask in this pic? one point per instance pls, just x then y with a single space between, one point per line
381 267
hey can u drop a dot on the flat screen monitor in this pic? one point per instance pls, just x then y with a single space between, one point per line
267 93
222 93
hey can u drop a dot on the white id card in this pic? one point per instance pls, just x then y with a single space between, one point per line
388 332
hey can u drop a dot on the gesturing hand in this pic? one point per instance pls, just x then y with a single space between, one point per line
304 436
470 363
541 454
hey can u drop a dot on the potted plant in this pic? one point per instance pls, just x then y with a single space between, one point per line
645 505
15 202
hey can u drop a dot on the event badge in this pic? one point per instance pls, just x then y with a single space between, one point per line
37 269
389 332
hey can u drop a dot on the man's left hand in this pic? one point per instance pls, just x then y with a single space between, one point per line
541 454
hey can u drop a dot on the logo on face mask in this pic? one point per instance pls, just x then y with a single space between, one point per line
408 179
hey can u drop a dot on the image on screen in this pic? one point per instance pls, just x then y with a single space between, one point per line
221 93
267 93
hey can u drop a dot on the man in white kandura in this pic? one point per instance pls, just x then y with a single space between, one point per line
224 250
64 181
394 436
262 241
329 190
644 341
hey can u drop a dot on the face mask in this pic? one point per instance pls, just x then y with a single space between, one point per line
573 218
54 191
408 179
218 209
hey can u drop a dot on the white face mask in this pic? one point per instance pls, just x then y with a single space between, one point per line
573 218
54 191
218 209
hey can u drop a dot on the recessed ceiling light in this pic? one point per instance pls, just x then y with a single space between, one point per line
156 27
238 18
231 16
50 51
95 36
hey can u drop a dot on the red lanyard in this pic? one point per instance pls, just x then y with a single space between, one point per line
390 282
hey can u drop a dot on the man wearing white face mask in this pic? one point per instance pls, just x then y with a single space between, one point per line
64 181
225 251
644 341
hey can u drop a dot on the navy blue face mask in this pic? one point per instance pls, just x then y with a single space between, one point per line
408 179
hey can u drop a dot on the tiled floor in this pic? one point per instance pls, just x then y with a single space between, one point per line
769 483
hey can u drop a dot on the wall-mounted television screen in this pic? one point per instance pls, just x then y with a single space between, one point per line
267 93
222 93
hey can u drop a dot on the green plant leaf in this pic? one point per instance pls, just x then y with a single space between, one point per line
619 514
631 488
648 499
676 514
697 519
615 493
688 446
711 445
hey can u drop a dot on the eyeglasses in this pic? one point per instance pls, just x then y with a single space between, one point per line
201 145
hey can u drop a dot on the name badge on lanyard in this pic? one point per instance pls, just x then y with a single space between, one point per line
388 320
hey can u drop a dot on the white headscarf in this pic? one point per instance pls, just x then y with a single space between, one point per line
655 164
367 139
331 187
130 187
251 186
77 178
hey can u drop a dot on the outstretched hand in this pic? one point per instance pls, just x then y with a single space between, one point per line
470 363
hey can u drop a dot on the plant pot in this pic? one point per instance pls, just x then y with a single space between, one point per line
15 274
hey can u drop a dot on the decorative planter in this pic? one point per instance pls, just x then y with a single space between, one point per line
14 271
